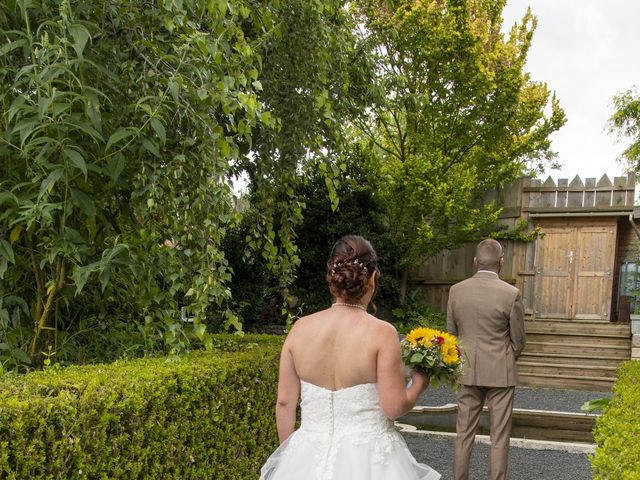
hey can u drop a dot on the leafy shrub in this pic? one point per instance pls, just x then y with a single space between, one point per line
357 213
201 415
617 432
415 313
119 123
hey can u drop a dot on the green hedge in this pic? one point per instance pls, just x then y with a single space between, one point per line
204 415
617 432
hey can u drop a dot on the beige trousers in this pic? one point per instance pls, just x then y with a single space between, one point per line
499 401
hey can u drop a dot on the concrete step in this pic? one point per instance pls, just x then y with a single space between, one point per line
530 424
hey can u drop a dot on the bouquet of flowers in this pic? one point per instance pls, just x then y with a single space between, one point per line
434 353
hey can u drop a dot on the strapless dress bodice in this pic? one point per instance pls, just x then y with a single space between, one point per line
352 410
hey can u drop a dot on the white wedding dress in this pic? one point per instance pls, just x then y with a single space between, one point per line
344 435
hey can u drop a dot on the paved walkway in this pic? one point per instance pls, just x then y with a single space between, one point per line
527 398
528 459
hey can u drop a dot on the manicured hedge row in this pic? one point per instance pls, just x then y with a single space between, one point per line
617 432
205 415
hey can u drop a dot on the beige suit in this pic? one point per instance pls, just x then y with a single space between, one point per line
487 316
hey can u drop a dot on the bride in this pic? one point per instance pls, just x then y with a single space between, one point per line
345 367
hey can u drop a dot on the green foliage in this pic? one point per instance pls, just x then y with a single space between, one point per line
520 232
309 63
454 115
357 212
123 124
120 124
617 432
416 313
201 415
625 122
595 404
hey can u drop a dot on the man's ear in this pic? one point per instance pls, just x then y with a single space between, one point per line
475 261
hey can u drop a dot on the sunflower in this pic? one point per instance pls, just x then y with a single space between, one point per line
450 351
421 336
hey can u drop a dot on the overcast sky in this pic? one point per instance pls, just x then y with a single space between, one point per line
587 51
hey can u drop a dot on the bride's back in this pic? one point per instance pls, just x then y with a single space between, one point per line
343 347
336 348
344 368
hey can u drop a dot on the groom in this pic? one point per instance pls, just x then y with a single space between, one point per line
487 316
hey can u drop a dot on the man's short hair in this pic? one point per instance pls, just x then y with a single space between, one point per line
488 253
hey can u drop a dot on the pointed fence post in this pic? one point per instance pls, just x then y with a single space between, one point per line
589 192
561 198
603 192
576 193
548 195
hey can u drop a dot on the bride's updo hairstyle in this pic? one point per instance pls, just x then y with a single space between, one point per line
351 263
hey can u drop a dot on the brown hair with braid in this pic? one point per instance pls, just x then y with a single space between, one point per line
350 265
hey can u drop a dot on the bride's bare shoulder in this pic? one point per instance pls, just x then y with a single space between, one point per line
303 323
385 331
384 325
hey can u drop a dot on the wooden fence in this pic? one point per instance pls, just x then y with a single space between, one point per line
538 202
575 196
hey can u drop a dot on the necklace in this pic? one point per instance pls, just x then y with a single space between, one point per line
352 305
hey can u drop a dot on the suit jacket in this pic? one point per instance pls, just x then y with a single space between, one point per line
487 316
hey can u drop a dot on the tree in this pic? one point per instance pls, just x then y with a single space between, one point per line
358 212
309 67
454 115
625 122
120 123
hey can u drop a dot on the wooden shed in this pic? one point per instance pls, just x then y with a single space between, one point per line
577 324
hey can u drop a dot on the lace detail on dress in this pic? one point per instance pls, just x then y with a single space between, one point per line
342 427
353 415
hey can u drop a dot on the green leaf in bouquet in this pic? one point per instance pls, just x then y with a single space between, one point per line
416 357
429 361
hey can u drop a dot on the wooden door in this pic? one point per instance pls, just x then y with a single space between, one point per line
594 272
553 274
574 270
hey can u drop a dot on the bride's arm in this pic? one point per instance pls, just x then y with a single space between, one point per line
395 398
288 393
